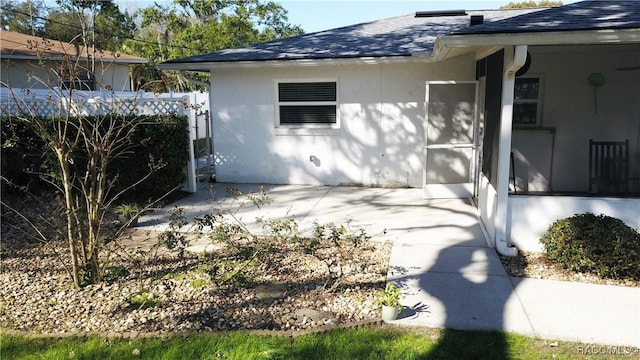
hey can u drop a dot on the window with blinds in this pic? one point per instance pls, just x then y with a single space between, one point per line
527 101
302 103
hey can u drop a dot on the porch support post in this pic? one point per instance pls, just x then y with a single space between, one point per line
514 58
192 181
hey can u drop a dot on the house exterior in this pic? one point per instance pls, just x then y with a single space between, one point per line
31 62
497 105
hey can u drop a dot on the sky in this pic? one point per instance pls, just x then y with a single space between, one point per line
317 15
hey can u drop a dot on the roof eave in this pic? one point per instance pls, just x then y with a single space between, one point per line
252 64
609 36
61 58
132 61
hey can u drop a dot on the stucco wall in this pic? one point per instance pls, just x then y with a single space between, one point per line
487 202
381 137
569 108
530 216
24 74
115 75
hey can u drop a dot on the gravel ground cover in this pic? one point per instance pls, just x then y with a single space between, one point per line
155 290
150 289
536 265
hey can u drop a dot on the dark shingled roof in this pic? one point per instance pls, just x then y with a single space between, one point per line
396 36
585 15
409 35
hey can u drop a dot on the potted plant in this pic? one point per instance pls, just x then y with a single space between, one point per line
128 213
389 299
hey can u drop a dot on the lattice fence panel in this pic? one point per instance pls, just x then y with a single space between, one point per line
32 106
95 106
163 107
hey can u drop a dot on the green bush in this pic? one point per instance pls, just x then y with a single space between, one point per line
23 154
159 139
600 244
162 139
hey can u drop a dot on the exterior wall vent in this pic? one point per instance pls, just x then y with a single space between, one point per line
425 14
476 20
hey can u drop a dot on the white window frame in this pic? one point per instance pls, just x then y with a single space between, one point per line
305 128
538 102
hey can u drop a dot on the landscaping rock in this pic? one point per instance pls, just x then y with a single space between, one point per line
270 291
291 292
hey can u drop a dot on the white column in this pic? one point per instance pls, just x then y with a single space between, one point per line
514 58
191 185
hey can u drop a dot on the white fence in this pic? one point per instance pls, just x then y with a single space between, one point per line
57 102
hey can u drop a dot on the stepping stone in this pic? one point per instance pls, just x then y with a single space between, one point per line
203 248
315 316
271 291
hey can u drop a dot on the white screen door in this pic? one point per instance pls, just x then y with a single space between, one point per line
450 146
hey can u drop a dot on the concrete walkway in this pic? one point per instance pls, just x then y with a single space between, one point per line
449 275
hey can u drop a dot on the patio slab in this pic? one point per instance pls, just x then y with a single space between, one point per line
442 258
286 201
468 301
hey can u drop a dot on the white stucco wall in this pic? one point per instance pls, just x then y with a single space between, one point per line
530 216
486 202
381 137
569 108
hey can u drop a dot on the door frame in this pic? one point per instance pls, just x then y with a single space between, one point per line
481 91
456 190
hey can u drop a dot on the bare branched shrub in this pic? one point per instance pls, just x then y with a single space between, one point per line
83 145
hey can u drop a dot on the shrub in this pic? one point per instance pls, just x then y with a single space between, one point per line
162 139
600 244
86 177
159 139
23 154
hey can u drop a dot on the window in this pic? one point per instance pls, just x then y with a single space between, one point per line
526 102
311 104
82 80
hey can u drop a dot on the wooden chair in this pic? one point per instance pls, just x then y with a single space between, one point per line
608 167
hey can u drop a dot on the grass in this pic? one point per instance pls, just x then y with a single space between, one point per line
144 300
364 343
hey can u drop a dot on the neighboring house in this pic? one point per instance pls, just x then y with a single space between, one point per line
31 62
496 105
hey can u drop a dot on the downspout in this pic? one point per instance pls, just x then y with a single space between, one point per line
514 59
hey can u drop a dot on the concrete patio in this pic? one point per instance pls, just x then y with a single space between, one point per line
450 276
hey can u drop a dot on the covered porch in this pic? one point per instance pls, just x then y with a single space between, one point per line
574 138
576 123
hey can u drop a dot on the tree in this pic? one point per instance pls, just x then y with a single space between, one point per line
531 4
24 17
100 23
190 27
63 26
113 27
221 24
